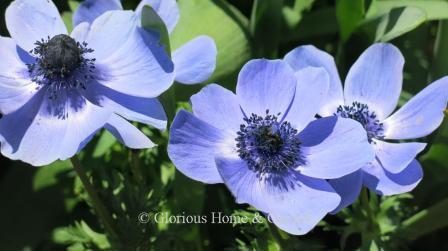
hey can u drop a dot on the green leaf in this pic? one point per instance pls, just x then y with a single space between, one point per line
67 18
434 10
426 221
106 141
80 235
318 23
48 175
439 63
293 15
349 13
222 22
151 21
265 25
395 23
73 5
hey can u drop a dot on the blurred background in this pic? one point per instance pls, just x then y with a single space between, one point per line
47 209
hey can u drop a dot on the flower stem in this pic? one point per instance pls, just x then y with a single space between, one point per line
98 205
135 166
371 235
366 205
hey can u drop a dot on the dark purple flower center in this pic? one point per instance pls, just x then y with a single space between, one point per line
368 119
61 63
268 145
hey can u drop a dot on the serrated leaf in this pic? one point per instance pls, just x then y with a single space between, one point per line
80 235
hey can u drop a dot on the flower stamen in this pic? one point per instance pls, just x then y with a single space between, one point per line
61 63
268 145
368 119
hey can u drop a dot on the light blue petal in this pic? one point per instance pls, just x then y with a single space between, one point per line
376 79
377 179
89 10
421 115
45 130
166 9
295 203
195 61
334 147
218 107
193 145
30 21
310 56
15 87
266 85
311 93
80 32
83 119
128 134
395 157
348 187
125 61
145 110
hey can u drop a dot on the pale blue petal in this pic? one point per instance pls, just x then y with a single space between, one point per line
193 145
218 107
310 56
83 119
421 115
266 85
30 21
145 110
45 130
195 61
15 87
333 147
125 61
89 10
348 187
128 134
80 32
311 92
166 9
295 203
395 157
376 79
377 179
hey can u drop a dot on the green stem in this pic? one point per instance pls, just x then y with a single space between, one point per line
98 205
136 169
366 205
370 235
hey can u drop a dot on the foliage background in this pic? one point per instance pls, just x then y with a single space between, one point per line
47 209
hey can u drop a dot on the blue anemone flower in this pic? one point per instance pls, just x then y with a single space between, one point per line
372 89
265 145
57 90
194 62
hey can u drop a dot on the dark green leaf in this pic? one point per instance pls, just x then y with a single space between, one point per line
265 24
350 13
